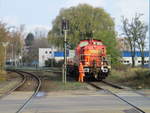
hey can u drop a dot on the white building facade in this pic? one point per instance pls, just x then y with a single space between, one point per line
127 59
51 53
45 54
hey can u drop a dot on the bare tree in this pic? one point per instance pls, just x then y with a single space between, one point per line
141 30
131 39
135 33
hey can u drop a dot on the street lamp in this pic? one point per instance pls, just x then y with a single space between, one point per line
5 44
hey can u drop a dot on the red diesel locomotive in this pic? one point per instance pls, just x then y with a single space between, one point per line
92 54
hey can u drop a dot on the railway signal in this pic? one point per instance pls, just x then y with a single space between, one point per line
65 28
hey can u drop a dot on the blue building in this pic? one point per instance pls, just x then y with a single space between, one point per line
127 57
60 54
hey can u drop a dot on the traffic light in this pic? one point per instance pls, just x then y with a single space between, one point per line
65 24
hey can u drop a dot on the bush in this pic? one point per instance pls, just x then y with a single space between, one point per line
142 74
132 77
120 67
53 63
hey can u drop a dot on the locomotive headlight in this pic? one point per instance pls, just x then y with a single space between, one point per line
104 69
86 70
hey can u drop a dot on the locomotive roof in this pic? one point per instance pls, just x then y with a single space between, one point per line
84 43
90 39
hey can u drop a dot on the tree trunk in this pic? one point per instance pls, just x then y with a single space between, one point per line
133 61
142 61
142 57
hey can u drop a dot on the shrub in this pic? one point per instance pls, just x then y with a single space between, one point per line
120 67
54 63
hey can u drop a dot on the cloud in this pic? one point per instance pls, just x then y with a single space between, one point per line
10 20
116 8
96 3
32 28
128 8
38 28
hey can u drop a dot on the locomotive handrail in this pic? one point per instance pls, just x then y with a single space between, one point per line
90 62
89 55
101 58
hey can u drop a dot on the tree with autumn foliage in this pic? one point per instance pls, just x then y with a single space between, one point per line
4 35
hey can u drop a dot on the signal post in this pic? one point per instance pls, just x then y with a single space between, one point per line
65 28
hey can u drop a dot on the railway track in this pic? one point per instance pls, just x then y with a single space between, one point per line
37 89
109 87
24 76
112 85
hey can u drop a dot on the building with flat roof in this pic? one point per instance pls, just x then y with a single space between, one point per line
45 54
127 59
49 53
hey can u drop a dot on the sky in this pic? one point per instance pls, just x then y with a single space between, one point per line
40 13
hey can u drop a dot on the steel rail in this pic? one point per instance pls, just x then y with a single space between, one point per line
97 87
35 92
121 87
17 86
112 85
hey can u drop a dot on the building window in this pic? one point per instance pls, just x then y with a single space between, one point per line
50 52
139 61
127 61
45 52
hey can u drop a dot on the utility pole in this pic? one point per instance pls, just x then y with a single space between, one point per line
149 36
65 57
65 27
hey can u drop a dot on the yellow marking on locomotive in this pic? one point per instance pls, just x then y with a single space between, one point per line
94 51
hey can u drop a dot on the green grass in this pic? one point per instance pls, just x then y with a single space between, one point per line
138 78
59 86
52 81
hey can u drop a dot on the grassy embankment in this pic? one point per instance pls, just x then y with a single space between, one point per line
137 78
52 81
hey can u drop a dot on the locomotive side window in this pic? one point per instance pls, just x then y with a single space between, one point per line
83 44
97 43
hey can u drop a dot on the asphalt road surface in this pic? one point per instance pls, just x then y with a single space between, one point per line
75 102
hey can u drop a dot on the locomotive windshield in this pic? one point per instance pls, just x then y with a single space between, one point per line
83 44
